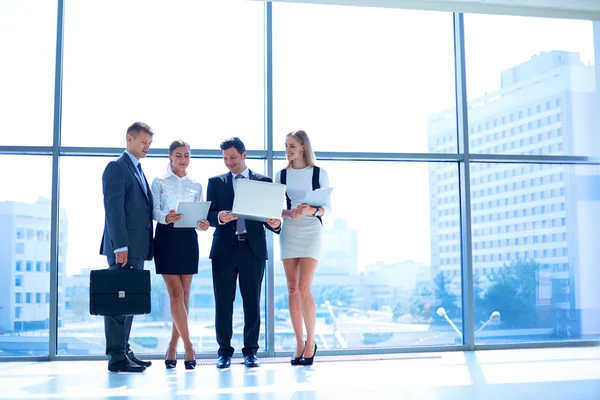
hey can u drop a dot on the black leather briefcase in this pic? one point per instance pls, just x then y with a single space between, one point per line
116 292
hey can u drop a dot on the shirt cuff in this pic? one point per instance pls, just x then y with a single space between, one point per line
120 249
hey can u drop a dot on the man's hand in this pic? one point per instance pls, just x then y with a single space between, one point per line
172 216
274 223
226 216
121 257
203 225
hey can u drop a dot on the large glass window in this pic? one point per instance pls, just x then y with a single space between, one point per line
24 205
531 88
390 260
185 67
27 45
356 81
80 236
534 252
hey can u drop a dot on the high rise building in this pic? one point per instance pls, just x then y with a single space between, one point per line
25 260
541 212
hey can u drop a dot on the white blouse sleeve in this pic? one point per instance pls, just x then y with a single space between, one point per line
199 198
157 213
324 183
277 177
199 195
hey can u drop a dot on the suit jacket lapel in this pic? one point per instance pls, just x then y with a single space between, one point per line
136 176
229 184
147 191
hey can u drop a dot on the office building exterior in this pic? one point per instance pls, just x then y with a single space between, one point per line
25 249
534 211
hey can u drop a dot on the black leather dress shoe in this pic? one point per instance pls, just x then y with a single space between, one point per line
251 361
224 362
137 361
126 366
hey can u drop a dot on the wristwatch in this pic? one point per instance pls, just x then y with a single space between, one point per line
316 214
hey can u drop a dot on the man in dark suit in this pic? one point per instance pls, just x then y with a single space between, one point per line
127 238
239 248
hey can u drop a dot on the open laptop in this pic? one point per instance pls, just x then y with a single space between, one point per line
258 201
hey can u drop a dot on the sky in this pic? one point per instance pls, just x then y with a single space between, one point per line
356 79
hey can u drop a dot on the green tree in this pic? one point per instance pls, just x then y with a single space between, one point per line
420 300
444 298
80 303
513 294
425 301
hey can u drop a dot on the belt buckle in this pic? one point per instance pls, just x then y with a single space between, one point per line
241 237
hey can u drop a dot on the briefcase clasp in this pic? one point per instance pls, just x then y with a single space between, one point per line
121 294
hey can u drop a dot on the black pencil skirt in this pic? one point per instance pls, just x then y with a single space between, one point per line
175 250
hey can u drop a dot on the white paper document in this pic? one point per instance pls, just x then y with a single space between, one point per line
318 197
192 211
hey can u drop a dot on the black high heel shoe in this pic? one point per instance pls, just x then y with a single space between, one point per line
170 364
296 360
309 360
190 364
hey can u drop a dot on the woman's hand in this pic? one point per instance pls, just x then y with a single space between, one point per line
305 209
296 212
172 216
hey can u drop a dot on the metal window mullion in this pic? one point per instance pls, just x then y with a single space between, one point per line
54 212
268 87
462 125
82 151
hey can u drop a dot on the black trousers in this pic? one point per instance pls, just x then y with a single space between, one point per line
241 261
117 329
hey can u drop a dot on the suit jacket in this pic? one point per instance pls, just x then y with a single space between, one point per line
128 211
220 193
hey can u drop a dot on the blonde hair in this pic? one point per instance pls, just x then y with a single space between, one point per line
308 155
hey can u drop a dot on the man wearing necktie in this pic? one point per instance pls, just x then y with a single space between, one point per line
239 248
127 238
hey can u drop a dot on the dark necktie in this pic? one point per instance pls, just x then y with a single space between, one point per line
139 167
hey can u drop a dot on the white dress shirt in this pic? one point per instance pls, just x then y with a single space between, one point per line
246 174
169 190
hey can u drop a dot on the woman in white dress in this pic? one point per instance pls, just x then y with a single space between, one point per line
300 239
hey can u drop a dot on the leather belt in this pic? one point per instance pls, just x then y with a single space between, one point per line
241 237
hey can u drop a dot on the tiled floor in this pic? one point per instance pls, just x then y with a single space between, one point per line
567 373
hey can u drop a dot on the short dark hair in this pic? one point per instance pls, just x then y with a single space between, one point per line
178 143
138 127
233 142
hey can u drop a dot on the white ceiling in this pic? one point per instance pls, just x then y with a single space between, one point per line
585 9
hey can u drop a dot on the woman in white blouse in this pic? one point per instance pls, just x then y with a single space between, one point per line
300 239
176 249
